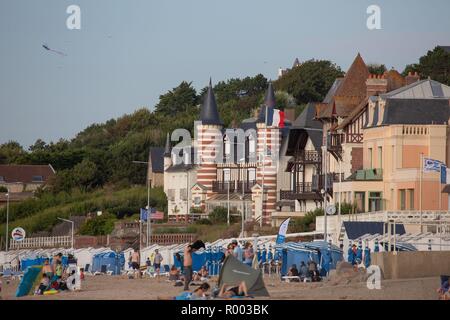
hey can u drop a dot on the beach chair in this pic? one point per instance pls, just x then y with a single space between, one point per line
7 274
103 270
87 269
288 278
165 270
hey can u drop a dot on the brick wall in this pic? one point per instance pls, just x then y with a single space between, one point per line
90 241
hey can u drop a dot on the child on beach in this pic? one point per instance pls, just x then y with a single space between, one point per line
43 285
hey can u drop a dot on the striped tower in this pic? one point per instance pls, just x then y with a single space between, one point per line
209 141
270 137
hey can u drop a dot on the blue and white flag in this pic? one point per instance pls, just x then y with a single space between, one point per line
443 174
144 214
282 232
431 165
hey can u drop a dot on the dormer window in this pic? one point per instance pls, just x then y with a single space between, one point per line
37 179
227 146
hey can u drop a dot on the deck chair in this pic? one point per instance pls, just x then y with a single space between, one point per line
103 270
287 278
165 270
87 269
7 273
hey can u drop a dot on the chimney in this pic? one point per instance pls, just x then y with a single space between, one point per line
412 77
289 114
376 85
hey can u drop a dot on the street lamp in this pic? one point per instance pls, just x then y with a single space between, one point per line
7 218
72 226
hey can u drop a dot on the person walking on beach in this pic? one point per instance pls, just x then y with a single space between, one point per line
157 261
187 261
135 262
187 266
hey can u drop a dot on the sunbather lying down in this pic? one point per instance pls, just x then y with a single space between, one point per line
228 291
201 293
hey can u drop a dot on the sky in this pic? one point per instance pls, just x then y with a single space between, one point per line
128 53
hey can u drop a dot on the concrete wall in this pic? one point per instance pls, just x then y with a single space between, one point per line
419 264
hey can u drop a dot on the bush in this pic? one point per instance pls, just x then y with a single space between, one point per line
204 222
100 225
220 214
306 223
3 189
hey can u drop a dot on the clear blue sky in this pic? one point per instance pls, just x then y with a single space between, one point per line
127 53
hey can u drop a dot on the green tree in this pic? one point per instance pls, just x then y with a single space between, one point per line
435 64
100 225
85 175
11 152
309 82
176 100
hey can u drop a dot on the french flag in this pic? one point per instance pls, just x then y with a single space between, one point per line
275 118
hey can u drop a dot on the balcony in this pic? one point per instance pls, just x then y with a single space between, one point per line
334 145
318 182
233 186
369 175
302 191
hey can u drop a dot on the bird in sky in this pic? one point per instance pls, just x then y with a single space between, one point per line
46 47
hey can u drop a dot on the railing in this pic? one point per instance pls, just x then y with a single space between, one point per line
233 186
309 156
334 143
42 242
318 181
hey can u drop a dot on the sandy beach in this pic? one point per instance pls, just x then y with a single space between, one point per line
121 288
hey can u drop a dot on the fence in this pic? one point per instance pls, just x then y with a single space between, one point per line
41 242
175 238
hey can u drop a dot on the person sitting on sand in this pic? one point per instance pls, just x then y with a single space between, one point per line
174 274
45 281
444 293
303 270
47 269
228 291
202 274
201 292
293 272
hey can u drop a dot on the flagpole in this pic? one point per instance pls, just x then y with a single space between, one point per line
439 186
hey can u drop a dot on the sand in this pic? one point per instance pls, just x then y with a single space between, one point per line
103 287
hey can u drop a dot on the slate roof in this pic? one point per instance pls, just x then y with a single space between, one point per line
307 118
156 159
209 113
356 229
416 111
11 173
269 102
180 167
419 90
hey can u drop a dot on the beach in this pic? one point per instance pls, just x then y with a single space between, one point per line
105 287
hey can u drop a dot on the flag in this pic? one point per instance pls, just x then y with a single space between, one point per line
443 174
282 231
431 165
154 214
143 215
275 118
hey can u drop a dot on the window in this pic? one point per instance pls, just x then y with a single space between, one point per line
187 159
252 174
171 194
411 199
183 194
393 158
227 146
375 201
197 201
360 201
251 144
226 174
37 179
402 199
370 158
2 179
380 157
